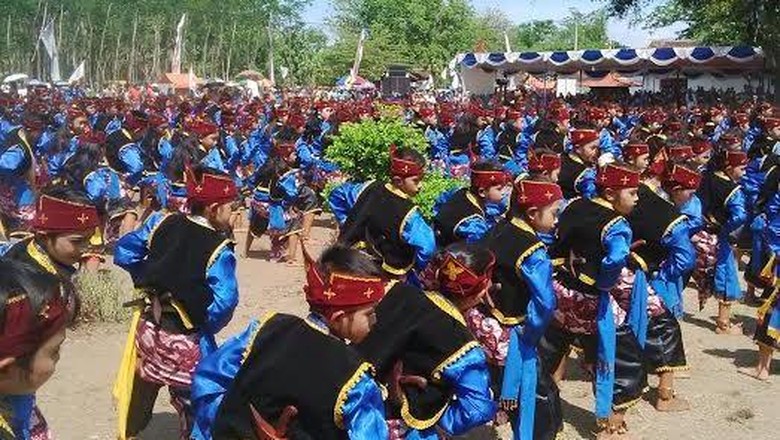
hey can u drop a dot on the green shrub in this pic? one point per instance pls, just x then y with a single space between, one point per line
102 294
434 184
362 150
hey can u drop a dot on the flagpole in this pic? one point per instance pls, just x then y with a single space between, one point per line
358 57
271 69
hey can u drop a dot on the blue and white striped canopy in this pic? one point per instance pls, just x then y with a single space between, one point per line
625 59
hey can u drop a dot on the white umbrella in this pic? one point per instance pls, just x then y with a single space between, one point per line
14 77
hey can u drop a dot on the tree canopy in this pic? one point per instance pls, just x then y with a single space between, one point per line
133 40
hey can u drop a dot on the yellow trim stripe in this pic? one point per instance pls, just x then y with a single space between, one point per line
338 409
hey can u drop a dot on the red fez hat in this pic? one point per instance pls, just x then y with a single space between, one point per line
736 158
634 150
513 114
284 148
701 146
680 177
403 168
212 188
617 177
533 194
583 136
281 112
57 215
673 127
340 291
93 137
596 113
486 179
681 152
136 121
427 112
457 279
741 118
23 332
728 140
156 120
499 112
75 112
203 128
539 163
771 123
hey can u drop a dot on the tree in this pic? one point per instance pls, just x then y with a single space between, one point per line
725 22
589 31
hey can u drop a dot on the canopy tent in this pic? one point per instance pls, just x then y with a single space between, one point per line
613 80
359 83
478 71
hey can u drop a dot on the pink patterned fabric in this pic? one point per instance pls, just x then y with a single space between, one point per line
166 358
39 429
491 335
624 288
397 429
706 246
577 311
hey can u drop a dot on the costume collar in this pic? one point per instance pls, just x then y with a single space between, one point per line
473 200
317 322
200 220
396 191
523 225
603 202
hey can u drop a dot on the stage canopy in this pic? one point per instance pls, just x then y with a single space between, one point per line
630 61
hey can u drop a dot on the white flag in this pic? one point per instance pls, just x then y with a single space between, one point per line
353 74
191 80
77 74
284 71
508 47
176 62
47 38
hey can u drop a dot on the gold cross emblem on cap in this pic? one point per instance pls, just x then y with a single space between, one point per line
329 294
227 189
199 188
43 218
452 271
406 169
523 198
548 194
83 218
625 180
369 292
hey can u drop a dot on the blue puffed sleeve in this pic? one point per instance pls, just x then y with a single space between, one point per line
21 409
12 160
364 411
473 404
692 210
524 141
472 229
486 139
735 205
681 257
132 248
616 241
607 144
95 187
343 198
221 279
213 377
418 234
537 272
751 183
213 160
232 152
304 153
130 156
47 140
165 148
585 185
288 183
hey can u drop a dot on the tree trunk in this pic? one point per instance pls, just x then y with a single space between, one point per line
131 62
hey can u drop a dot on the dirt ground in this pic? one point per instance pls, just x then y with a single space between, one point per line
77 401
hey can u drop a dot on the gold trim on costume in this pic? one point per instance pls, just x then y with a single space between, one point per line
586 279
40 257
505 319
472 199
405 219
668 369
606 227
157 226
215 254
463 220
521 224
396 191
396 271
447 307
641 261
413 421
338 410
601 202
437 372
674 223
728 197
248 348
185 318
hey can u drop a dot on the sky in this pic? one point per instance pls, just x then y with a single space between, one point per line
526 10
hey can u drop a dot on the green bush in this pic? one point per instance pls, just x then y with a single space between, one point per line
102 294
362 150
434 184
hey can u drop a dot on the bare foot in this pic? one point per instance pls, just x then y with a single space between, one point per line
729 329
675 404
762 375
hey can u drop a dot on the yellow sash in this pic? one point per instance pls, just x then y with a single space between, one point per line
123 385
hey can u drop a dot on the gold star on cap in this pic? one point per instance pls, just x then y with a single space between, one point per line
452 271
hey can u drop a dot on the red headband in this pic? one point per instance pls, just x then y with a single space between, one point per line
771 123
486 179
701 146
533 194
57 215
212 188
632 151
341 291
682 178
681 152
617 177
203 128
403 168
22 332
736 158
457 279
582 137
544 162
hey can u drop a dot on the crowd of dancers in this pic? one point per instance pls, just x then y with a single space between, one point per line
578 227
